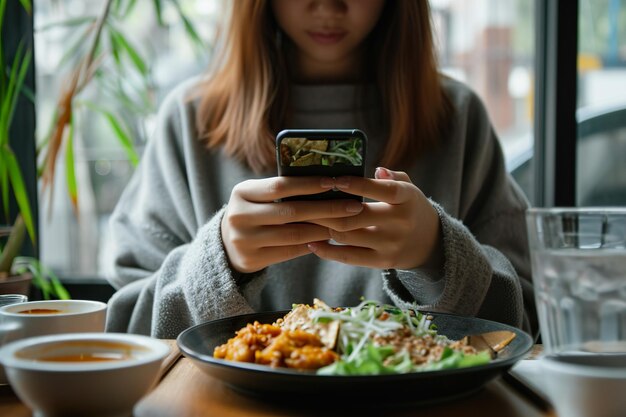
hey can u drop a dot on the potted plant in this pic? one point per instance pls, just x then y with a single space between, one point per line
17 272
12 282
12 235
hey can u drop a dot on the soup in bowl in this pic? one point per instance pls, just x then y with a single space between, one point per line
39 318
83 373
40 311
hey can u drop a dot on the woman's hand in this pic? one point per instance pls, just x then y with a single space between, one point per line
257 231
400 230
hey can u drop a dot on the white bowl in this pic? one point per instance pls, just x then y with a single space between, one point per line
53 317
47 375
585 385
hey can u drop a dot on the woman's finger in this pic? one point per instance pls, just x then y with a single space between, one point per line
369 237
268 190
277 254
295 211
262 257
372 215
350 255
383 173
288 235
385 190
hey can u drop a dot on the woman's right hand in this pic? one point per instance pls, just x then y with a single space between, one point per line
257 231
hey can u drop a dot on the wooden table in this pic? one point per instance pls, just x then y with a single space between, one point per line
184 391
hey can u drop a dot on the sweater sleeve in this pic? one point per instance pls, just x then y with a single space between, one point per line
170 267
486 267
477 280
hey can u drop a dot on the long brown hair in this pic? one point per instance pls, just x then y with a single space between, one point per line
245 102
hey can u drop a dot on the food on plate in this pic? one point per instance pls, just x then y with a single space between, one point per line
368 339
306 152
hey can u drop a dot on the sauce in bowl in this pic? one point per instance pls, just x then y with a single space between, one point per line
87 357
82 351
41 311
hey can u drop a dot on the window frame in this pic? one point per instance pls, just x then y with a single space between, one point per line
556 74
19 27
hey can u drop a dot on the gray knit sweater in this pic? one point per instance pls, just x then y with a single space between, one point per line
171 270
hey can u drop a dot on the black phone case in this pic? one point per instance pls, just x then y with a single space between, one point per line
334 170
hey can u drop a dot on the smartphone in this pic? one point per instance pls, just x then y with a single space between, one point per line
329 153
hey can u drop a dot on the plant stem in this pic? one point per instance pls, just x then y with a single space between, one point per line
13 246
86 69
79 78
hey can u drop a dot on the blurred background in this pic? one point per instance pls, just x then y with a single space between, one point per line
489 44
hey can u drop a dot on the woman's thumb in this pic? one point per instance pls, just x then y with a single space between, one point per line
382 173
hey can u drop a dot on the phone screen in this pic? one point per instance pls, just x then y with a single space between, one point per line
331 153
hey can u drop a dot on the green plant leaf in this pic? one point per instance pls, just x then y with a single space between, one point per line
115 50
117 6
70 174
158 10
4 183
43 278
134 96
3 5
78 42
129 7
16 81
3 77
57 288
122 135
25 264
7 97
132 53
67 23
191 31
116 90
13 245
189 27
25 90
28 93
20 81
3 73
19 190
120 11
27 6
38 280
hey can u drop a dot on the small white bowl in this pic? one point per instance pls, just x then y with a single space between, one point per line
18 321
94 374
583 385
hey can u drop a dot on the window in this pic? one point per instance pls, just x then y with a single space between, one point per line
601 104
158 48
490 45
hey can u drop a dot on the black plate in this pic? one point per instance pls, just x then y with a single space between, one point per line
283 385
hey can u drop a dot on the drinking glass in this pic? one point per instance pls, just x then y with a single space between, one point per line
6 299
579 273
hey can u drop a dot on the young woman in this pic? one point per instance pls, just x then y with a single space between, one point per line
199 234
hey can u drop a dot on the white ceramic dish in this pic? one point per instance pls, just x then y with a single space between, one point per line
49 317
288 386
586 385
87 374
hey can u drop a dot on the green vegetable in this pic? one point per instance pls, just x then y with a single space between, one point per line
368 361
451 359
360 356
342 151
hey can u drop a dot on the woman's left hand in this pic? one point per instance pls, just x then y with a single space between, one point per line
399 230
